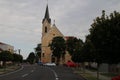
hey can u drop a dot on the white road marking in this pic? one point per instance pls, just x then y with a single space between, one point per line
27 74
56 76
32 70
24 75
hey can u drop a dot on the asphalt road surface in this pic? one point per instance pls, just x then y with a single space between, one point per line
36 72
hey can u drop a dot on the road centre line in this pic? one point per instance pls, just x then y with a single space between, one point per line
32 70
27 73
24 75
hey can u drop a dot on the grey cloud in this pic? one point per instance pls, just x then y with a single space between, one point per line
20 20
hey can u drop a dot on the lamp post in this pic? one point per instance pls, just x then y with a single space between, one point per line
15 51
19 50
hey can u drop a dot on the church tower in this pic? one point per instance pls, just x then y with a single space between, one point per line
46 27
48 33
46 23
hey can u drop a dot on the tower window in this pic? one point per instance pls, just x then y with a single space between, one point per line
53 34
45 29
43 54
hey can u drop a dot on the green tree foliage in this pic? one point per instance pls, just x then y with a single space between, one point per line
17 58
105 36
38 52
87 51
58 47
73 44
31 58
6 56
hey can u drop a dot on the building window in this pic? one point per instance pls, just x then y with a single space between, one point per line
53 34
43 54
45 29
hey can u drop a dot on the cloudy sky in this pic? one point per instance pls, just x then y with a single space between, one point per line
20 20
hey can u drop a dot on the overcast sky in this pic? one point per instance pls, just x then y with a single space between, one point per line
20 20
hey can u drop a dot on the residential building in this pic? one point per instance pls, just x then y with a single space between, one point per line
6 47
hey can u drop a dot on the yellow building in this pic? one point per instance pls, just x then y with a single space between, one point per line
49 31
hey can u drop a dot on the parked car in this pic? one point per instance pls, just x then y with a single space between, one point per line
40 63
116 78
50 64
71 64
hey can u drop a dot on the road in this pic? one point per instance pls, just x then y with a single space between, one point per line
36 72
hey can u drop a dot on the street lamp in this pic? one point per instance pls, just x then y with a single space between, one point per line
19 51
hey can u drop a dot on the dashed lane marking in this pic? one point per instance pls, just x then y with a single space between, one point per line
32 71
24 75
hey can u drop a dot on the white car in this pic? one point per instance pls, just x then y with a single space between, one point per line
50 64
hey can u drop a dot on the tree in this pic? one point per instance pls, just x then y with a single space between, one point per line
73 44
58 47
17 58
6 56
104 35
87 51
31 58
38 52
105 32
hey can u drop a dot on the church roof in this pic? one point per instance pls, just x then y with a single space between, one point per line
47 15
55 28
53 31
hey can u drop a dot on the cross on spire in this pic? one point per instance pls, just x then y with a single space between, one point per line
54 23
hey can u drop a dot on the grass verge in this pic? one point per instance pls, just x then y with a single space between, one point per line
9 69
109 74
85 75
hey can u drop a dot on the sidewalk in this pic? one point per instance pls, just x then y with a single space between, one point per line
91 74
8 69
101 77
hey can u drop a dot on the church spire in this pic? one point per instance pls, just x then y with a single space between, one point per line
47 15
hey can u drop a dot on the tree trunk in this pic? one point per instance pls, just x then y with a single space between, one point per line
58 60
98 65
63 59
89 65
4 65
83 66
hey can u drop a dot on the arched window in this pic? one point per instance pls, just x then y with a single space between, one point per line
43 54
45 29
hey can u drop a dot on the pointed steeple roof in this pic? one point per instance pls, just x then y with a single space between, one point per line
47 12
47 15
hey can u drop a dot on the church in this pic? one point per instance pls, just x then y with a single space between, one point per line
49 31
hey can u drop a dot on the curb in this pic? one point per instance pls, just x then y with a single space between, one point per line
79 75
